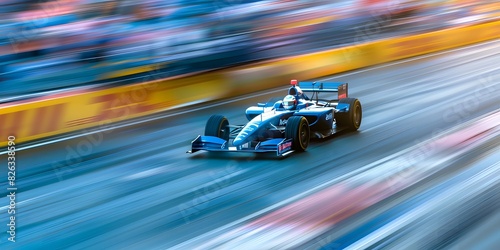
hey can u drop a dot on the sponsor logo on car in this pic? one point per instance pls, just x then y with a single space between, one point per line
283 122
283 147
329 116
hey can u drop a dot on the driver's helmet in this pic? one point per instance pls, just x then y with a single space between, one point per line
289 102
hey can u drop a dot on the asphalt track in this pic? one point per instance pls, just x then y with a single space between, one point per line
135 187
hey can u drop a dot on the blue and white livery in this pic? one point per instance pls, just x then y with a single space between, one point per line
285 125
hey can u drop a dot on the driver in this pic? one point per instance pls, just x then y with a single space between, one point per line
289 102
295 94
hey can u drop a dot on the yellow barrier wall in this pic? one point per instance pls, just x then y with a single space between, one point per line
74 111
48 116
334 61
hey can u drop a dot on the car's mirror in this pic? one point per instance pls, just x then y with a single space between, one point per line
262 105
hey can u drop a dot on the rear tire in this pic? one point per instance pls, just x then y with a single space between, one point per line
351 119
297 129
217 125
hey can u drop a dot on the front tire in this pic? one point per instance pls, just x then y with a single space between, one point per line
297 129
218 126
352 118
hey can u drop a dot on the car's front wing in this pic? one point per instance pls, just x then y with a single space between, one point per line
281 146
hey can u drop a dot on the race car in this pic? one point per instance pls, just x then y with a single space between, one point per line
285 125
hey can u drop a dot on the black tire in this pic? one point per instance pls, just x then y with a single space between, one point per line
351 119
297 129
217 125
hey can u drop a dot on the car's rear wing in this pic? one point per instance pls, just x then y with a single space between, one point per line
316 87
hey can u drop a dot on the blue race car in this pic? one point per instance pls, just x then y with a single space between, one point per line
285 125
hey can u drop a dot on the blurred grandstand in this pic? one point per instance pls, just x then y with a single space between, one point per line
51 45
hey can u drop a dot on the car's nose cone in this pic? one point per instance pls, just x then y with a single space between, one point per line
238 141
246 133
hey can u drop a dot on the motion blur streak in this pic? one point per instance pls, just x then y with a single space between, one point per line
444 214
50 45
304 219
420 140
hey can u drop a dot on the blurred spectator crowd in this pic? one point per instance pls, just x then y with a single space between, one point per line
52 44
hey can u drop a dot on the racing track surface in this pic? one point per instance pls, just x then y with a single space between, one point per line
135 187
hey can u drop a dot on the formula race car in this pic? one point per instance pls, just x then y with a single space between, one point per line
285 125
